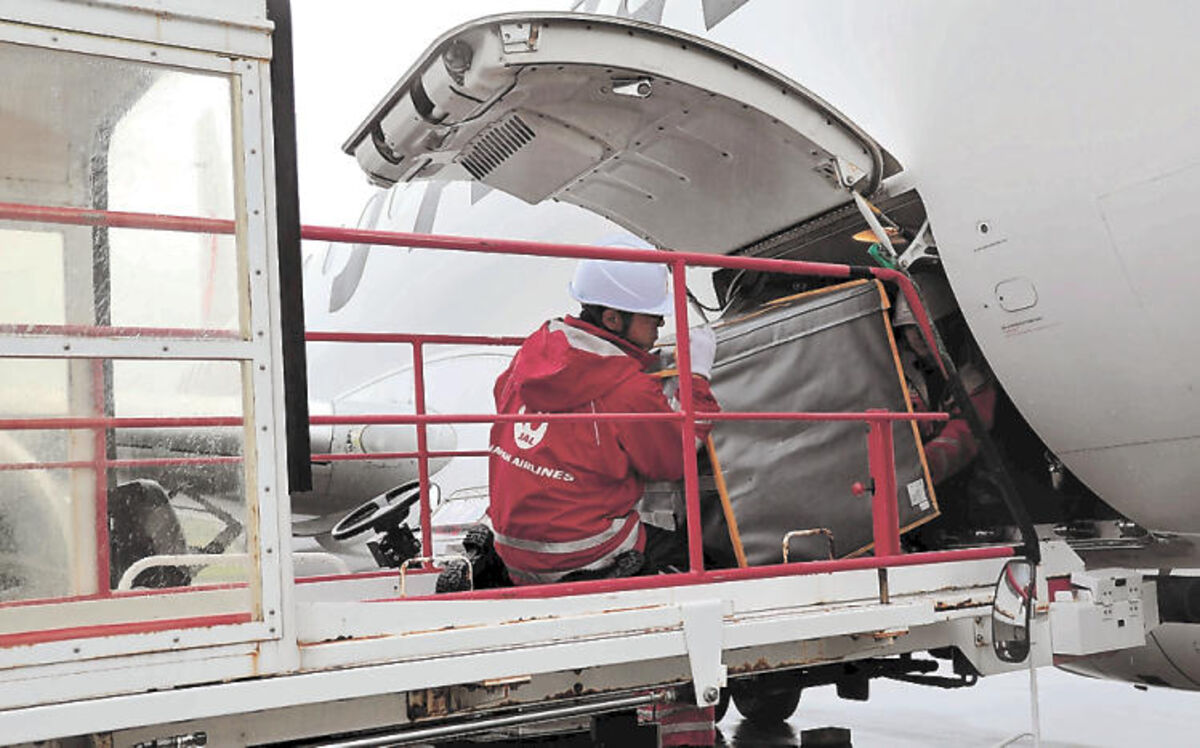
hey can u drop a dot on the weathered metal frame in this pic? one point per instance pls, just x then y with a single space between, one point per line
336 636
533 652
236 46
230 29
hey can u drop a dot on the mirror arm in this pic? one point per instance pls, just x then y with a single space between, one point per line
1012 642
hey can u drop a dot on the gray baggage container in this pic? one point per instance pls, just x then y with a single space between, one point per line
829 350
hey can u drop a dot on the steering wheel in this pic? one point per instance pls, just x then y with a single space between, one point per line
389 507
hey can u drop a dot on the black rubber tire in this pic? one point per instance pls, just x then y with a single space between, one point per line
453 578
766 701
622 730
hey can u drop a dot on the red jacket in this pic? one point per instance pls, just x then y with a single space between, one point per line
563 494
951 446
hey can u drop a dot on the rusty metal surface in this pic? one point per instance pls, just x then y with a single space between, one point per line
970 602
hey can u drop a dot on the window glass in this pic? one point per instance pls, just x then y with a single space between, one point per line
166 488
32 260
176 280
171 148
96 132
83 131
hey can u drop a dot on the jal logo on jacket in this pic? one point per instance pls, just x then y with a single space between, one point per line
528 436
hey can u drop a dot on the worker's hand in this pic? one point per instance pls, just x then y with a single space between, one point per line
703 349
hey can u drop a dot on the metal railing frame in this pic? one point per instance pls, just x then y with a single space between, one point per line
880 442
880 445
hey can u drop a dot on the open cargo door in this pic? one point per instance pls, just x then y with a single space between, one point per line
650 127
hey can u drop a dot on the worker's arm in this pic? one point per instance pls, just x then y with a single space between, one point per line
955 446
654 447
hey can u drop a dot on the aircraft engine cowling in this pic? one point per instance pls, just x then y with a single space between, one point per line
341 485
1170 659
1171 655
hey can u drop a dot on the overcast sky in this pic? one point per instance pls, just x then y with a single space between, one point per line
348 54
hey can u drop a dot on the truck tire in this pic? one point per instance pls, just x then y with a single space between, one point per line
767 699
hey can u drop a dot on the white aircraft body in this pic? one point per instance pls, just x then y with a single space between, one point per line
1039 150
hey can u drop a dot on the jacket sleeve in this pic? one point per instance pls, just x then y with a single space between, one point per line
955 446
653 447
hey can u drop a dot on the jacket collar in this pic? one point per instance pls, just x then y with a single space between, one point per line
644 358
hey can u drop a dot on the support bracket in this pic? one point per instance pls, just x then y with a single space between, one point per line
703 634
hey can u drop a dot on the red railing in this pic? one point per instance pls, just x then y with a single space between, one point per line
113 219
880 443
100 463
98 422
881 453
118 331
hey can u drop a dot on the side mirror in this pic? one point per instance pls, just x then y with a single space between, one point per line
1011 609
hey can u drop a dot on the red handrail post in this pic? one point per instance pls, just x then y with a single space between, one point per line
100 476
884 512
683 360
422 448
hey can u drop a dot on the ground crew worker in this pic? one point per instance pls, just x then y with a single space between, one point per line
949 446
564 494
971 495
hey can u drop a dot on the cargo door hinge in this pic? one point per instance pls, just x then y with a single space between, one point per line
519 37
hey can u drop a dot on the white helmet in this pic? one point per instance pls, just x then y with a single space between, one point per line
625 286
